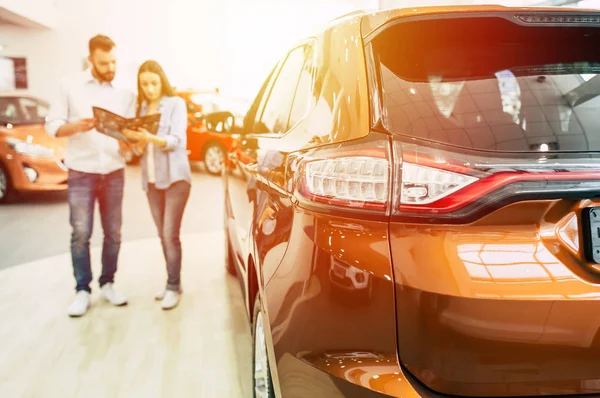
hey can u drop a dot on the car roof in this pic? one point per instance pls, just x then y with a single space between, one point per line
19 94
373 20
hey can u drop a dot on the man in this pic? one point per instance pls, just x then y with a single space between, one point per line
96 168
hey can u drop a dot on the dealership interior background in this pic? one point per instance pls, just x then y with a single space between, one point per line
202 348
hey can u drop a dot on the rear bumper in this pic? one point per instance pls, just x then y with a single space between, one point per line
496 308
51 173
358 374
468 347
364 375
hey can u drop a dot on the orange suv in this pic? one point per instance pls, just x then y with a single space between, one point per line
415 207
30 160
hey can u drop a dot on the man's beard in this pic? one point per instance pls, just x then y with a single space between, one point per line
105 77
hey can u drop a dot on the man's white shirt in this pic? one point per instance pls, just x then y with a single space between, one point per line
92 151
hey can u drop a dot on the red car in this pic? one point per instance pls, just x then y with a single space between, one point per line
203 145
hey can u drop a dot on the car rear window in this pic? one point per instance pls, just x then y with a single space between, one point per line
490 83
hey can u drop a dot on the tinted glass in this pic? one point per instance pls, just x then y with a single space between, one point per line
277 109
512 88
303 95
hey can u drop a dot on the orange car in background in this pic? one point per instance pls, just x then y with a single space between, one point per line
30 159
203 145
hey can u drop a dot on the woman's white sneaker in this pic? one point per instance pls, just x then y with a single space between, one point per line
170 300
80 305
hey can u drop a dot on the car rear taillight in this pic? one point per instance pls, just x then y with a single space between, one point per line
354 176
435 182
357 179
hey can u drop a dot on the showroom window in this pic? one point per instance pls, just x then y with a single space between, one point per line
276 112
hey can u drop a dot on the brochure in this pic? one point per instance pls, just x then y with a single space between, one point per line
111 124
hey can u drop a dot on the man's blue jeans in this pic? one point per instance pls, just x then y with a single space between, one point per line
84 190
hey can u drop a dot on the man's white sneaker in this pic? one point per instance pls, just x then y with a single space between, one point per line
112 296
80 305
161 295
170 300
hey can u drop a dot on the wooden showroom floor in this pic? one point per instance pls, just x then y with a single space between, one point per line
200 349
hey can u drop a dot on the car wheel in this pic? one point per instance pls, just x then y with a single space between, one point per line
262 382
6 190
213 158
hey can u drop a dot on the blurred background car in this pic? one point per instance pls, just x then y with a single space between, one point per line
30 159
203 145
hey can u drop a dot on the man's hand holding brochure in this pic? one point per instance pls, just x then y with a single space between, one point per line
131 133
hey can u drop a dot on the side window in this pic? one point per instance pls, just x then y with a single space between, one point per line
33 111
9 112
252 116
276 113
304 92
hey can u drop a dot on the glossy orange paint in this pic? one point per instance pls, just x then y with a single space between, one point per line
503 296
375 371
334 284
361 306
52 174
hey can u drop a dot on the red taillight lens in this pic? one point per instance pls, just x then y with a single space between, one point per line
423 185
436 182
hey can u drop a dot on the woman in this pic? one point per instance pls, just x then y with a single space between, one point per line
166 174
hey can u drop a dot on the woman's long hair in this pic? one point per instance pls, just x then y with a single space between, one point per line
154 67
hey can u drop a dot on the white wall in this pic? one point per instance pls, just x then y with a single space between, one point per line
37 12
38 47
7 74
202 44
